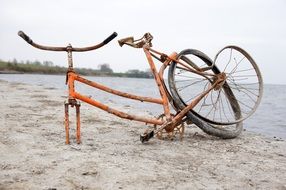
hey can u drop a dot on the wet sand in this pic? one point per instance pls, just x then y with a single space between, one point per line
33 154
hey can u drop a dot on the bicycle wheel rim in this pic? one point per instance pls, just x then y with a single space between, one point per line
256 81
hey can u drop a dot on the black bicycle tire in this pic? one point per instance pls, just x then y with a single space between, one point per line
201 122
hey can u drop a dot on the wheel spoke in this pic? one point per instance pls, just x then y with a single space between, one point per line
188 85
230 56
241 88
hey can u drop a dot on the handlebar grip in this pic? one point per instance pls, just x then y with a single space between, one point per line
25 37
111 37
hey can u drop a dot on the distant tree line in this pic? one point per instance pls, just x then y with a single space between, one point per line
48 67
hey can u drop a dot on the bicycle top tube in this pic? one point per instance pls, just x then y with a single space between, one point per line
69 47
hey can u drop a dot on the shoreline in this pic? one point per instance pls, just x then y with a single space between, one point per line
10 72
33 154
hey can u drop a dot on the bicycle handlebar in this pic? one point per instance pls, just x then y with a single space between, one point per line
68 48
25 37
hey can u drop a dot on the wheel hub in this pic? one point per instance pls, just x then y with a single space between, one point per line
220 80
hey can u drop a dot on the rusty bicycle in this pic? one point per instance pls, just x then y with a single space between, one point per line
217 96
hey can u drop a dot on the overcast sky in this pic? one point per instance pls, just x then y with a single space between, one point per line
258 26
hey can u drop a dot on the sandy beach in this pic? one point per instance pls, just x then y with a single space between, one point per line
33 153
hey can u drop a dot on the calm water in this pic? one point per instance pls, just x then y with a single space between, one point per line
269 119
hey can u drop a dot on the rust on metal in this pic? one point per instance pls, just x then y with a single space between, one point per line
72 102
221 77
77 106
67 122
159 84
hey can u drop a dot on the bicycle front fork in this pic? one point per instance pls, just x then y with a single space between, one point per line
72 103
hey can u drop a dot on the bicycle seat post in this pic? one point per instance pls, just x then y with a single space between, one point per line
70 62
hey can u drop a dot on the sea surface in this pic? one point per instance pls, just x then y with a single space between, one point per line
269 119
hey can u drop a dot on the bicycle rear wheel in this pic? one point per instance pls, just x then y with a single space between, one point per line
178 75
230 104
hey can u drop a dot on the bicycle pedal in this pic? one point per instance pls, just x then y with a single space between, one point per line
146 136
